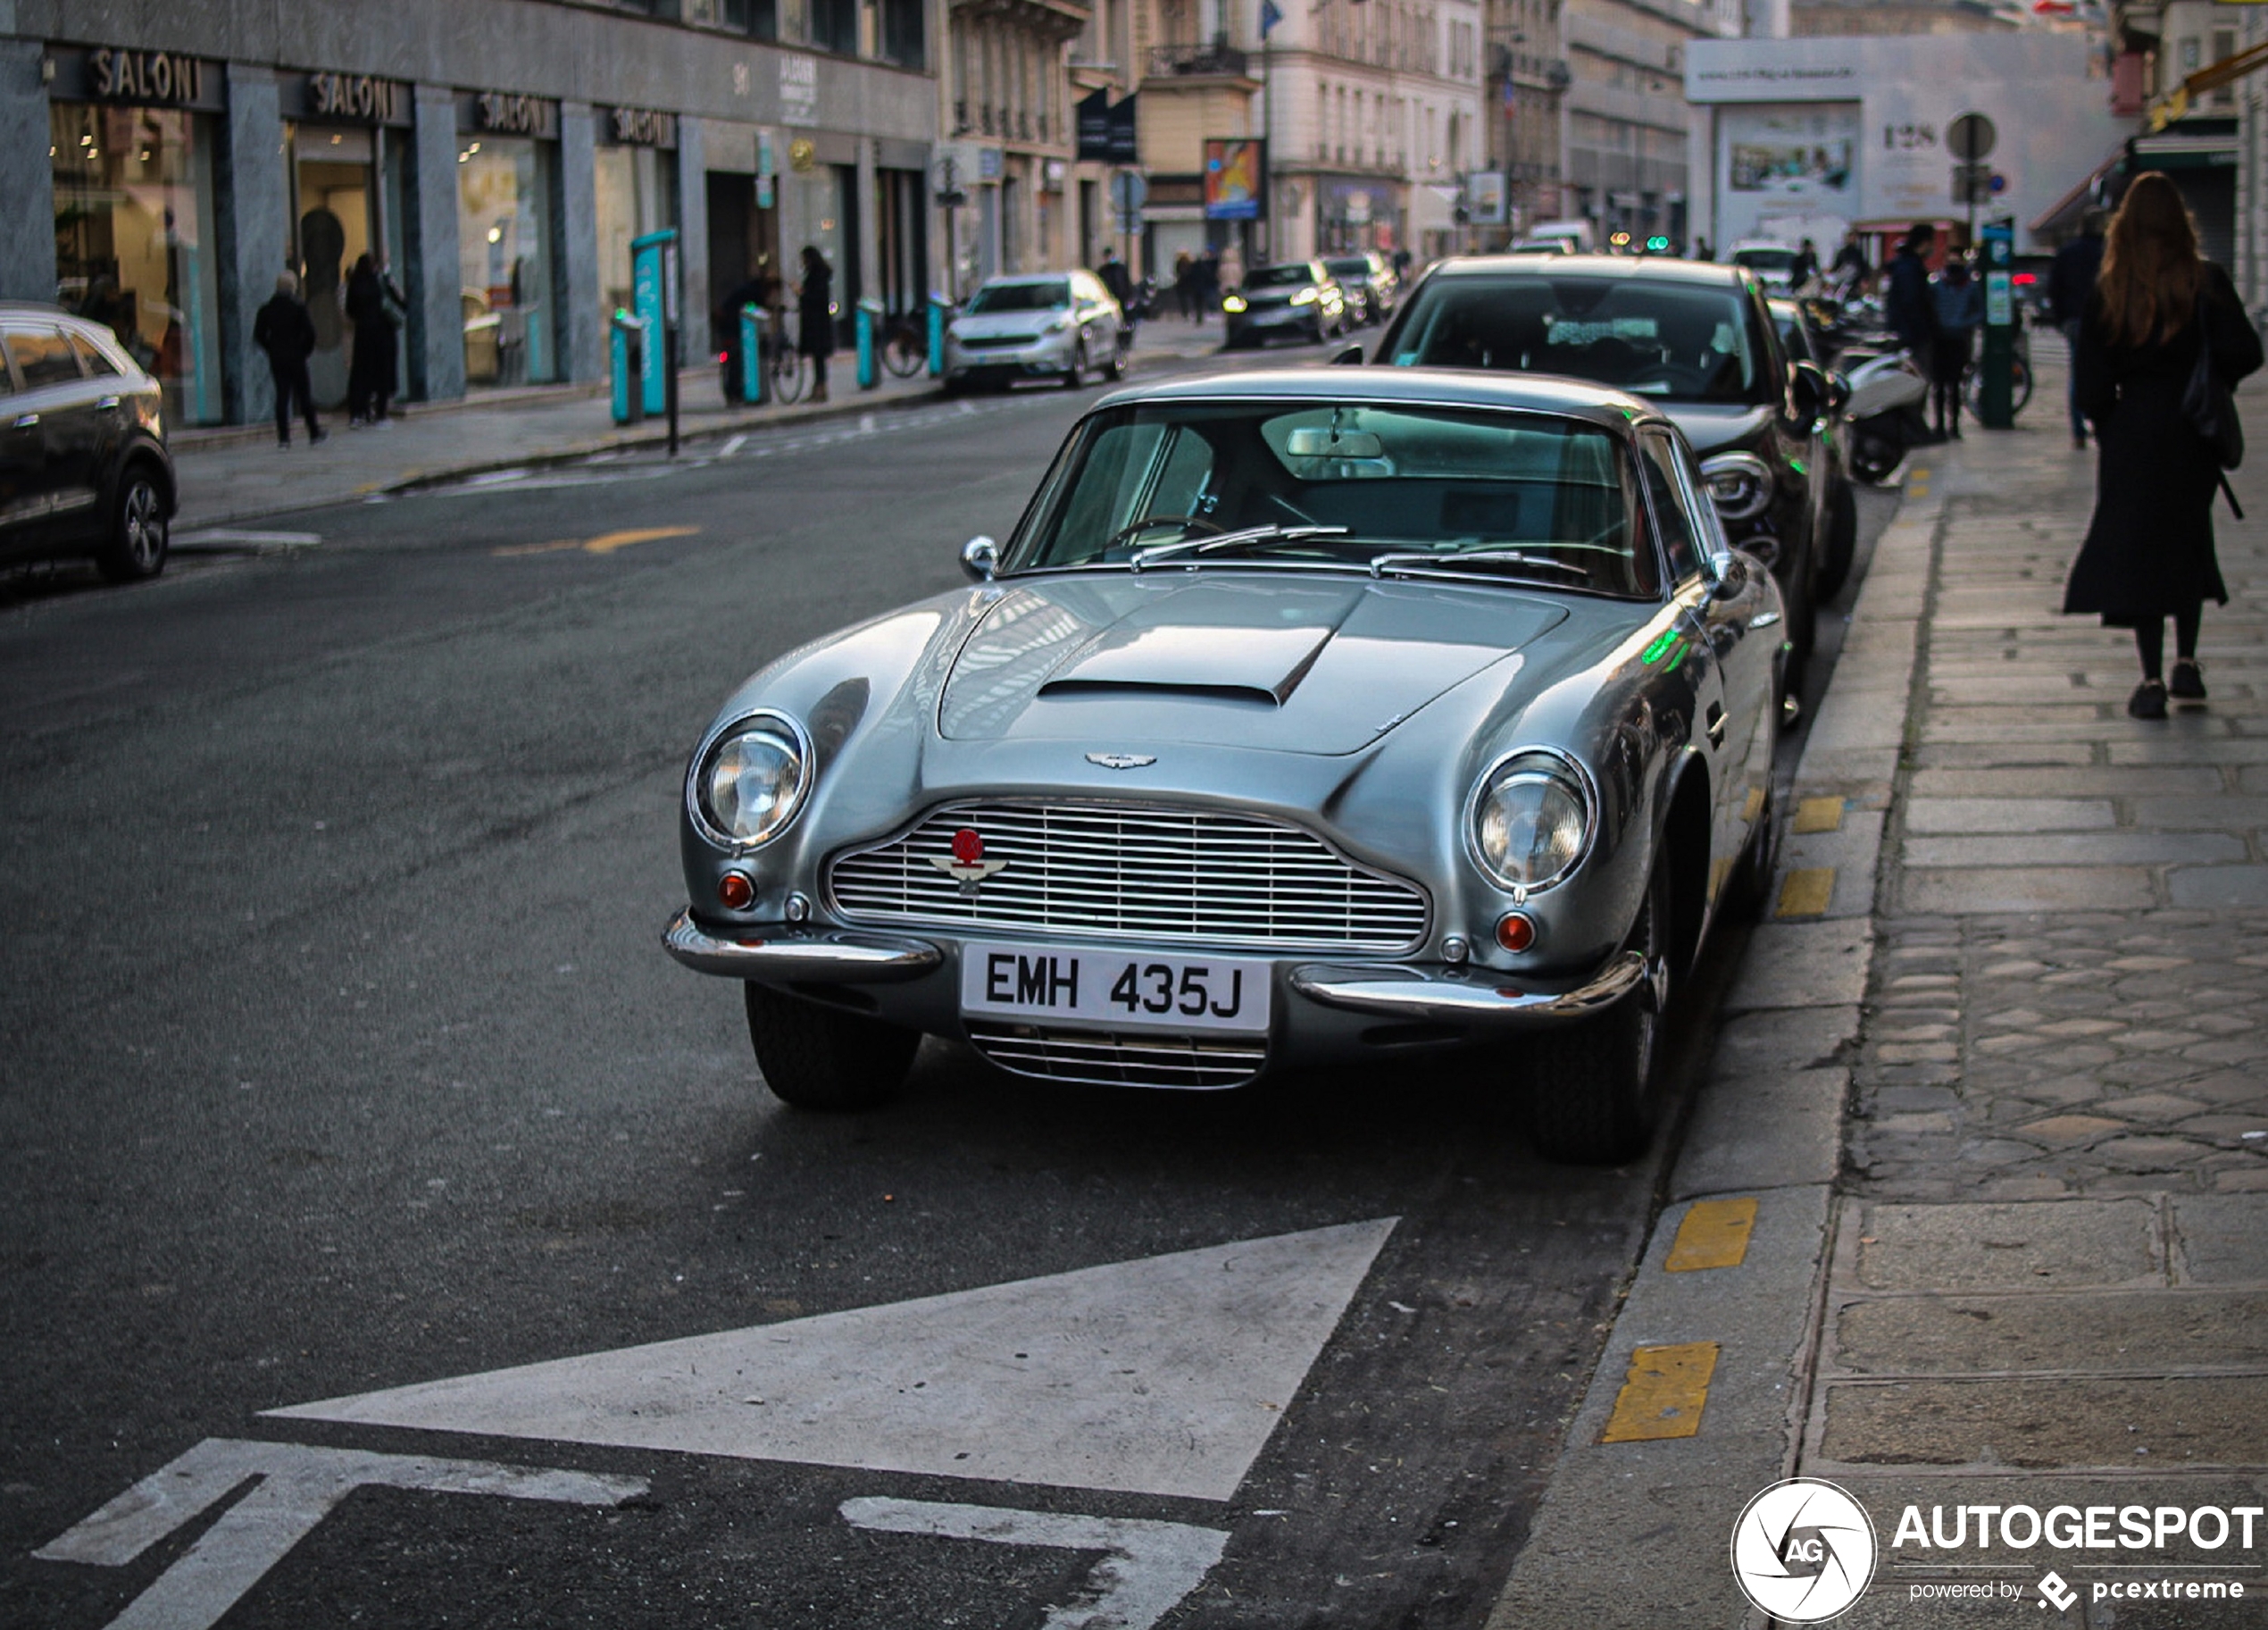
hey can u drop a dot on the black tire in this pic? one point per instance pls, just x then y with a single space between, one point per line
1114 365
140 532
1593 1089
1801 593
818 1058
903 354
1075 375
1842 541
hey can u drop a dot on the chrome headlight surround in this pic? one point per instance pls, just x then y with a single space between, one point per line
760 735
1739 484
1535 785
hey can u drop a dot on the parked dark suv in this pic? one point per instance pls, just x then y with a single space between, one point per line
1693 337
84 468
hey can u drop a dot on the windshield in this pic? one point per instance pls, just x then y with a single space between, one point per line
1280 277
1021 297
1356 268
1694 342
1523 497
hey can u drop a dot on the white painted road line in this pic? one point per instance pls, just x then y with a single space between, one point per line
1147 1568
236 538
297 1488
733 444
1159 1377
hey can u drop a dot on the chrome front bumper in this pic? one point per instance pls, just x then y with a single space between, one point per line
825 955
1479 997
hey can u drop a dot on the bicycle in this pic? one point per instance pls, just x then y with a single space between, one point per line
905 346
784 374
2019 378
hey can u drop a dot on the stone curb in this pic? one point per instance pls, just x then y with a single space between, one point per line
1637 1534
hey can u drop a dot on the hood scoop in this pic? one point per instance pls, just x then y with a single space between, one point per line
1254 666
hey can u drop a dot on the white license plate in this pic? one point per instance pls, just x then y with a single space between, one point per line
1114 990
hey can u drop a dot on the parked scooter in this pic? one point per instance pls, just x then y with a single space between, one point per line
1887 412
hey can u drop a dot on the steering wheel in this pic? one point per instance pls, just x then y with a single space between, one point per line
1134 528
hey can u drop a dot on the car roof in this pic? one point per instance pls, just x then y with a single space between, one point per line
1437 386
1011 278
37 308
1652 268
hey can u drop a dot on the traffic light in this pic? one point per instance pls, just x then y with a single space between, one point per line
1657 245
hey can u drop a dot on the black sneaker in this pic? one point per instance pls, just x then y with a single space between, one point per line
2188 683
2148 700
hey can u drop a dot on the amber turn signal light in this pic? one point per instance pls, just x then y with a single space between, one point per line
735 892
1515 931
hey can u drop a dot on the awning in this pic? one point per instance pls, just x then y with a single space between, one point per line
2177 102
2067 208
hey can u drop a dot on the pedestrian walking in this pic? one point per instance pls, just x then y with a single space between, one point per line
1958 303
2070 284
815 317
1850 269
1184 284
1208 282
2149 554
287 333
372 377
1804 267
1702 251
1907 306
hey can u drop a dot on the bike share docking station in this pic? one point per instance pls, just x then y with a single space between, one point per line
643 341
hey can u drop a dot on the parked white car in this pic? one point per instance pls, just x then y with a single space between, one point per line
1062 325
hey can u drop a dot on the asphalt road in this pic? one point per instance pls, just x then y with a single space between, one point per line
338 1053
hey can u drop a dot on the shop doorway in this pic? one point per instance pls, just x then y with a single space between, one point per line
345 201
902 240
744 248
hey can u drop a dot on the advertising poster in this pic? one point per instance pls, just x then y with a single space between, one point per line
1790 169
1236 178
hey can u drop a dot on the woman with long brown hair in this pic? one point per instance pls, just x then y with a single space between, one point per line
2148 554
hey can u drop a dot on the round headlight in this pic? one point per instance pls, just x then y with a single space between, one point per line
751 783
1531 821
1739 484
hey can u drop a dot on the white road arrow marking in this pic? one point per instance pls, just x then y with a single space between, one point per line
297 1488
1146 1568
1158 1376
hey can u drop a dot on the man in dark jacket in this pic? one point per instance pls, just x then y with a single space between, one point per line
1907 305
2070 284
287 333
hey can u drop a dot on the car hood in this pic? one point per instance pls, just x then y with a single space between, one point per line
1712 427
1322 666
971 325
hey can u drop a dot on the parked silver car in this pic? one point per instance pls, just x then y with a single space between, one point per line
1332 715
1059 325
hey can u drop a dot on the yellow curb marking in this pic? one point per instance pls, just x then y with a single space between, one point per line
1715 1233
1753 807
606 543
1806 893
1817 814
1667 1388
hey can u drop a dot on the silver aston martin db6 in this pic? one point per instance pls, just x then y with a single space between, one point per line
1334 715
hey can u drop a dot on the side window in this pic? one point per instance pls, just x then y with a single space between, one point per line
1682 538
43 357
93 358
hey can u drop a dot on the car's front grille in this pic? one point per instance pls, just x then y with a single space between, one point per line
1145 873
1120 1058
989 342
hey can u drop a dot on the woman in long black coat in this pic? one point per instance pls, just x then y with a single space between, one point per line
2148 554
371 377
815 318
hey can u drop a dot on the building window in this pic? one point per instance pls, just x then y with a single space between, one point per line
504 246
834 26
134 244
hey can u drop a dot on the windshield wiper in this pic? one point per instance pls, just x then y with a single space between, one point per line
1215 544
1519 560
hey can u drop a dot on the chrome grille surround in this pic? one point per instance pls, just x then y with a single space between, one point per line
1119 1059
1152 873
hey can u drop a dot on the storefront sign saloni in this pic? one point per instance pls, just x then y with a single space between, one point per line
645 127
357 96
152 78
511 114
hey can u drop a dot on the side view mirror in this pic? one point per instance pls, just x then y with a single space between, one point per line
1807 392
980 558
1352 356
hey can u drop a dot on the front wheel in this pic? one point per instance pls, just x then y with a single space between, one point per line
1594 1087
1075 375
139 534
902 354
787 377
818 1058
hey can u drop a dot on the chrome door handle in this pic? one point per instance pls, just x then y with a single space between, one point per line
24 421
106 404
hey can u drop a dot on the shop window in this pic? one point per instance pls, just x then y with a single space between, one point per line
504 246
133 242
636 194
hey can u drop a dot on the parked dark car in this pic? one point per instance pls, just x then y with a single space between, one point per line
1695 337
1298 297
84 469
1370 285
1804 339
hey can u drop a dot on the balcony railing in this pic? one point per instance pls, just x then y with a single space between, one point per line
1215 57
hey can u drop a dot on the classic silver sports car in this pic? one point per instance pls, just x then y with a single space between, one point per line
1334 715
